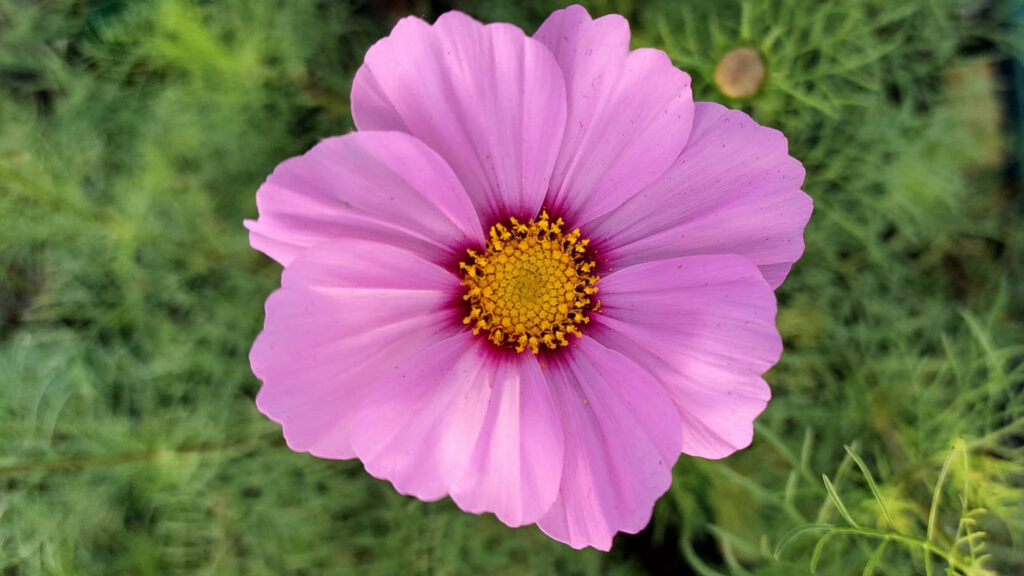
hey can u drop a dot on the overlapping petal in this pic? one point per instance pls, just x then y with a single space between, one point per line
733 190
488 99
382 186
516 465
455 419
621 441
629 113
704 326
345 312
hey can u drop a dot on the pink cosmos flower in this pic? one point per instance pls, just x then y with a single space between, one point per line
536 274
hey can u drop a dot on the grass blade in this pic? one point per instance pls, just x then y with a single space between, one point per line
869 568
796 533
818 549
841 470
838 503
936 499
871 484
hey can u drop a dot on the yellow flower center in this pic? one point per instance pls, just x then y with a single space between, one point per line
532 286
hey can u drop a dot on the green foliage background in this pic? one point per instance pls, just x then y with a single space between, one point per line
133 135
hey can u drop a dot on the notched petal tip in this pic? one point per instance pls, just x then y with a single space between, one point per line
346 312
704 326
622 435
629 114
734 189
384 186
426 79
459 18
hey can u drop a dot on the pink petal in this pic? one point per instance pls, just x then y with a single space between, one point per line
488 99
516 466
387 187
456 418
733 190
630 113
705 327
419 425
346 311
621 441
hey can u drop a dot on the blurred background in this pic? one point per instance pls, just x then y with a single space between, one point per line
133 136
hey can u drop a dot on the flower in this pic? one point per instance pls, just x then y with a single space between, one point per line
535 275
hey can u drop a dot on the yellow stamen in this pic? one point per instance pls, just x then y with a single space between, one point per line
533 285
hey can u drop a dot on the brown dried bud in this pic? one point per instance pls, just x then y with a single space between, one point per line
740 72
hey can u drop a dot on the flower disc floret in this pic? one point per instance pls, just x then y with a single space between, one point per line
533 285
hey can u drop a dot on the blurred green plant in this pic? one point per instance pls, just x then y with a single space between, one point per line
961 557
133 136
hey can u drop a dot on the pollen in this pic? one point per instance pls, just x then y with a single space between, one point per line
532 287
